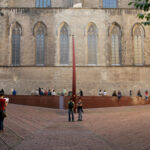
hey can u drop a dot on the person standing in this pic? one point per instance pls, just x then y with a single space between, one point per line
80 109
3 104
71 110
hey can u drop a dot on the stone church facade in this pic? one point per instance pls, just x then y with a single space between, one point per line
112 47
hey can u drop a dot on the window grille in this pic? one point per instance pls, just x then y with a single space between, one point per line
43 3
92 45
40 46
138 47
64 45
16 33
116 46
109 3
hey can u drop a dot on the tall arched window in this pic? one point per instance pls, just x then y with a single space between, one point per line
116 54
109 3
43 3
138 36
16 34
64 45
40 31
92 45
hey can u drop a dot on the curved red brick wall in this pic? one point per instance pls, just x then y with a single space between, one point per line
88 101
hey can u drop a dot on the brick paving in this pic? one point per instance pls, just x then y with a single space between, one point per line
117 128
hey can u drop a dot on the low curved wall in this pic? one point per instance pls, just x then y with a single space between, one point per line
109 101
88 101
41 101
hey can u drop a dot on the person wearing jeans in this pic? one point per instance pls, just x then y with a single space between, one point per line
70 110
80 109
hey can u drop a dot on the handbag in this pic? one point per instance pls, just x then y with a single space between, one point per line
4 114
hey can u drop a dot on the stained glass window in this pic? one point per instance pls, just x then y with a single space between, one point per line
138 46
64 45
16 33
116 46
92 45
40 45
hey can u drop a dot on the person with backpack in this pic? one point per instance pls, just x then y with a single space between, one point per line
71 110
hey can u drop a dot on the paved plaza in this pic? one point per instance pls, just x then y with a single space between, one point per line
116 128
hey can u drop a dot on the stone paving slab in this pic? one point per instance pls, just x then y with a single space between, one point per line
35 128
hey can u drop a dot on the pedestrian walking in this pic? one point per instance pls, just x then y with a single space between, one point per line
80 109
71 110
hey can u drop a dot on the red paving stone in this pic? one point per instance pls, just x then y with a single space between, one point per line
116 128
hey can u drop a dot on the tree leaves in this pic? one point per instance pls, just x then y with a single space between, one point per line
142 5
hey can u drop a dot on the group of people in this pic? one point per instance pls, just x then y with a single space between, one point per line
72 107
145 93
52 92
118 94
102 93
139 95
43 92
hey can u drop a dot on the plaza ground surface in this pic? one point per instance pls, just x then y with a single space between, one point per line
116 128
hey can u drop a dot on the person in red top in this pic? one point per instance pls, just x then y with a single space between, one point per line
2 109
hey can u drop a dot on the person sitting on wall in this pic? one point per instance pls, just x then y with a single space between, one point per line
130 93
14 92
36 92
146 95
119 95
49 93
100 93
64 93
105 93
2 91
53 93
46 93
114 93
42 91
139 95
81 92
69 93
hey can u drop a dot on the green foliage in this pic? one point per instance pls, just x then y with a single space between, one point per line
142 5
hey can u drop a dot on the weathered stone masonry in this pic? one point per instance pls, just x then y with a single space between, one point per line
28 76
